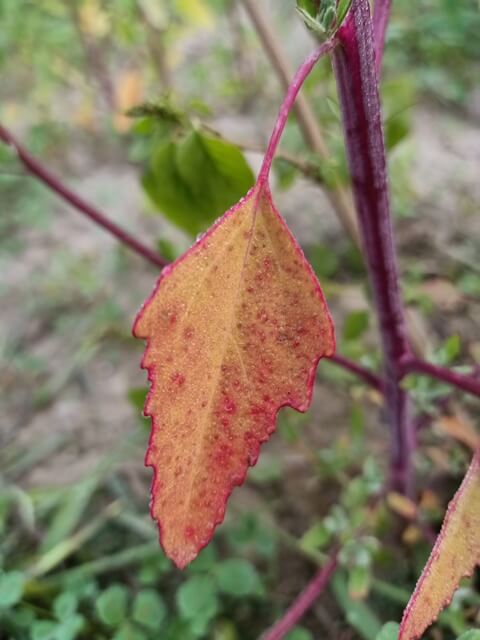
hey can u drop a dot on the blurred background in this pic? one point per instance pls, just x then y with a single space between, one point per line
79 556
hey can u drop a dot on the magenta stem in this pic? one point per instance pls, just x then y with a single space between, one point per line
287 104
304 601
354 67
381 17
361 372
469 384
35 168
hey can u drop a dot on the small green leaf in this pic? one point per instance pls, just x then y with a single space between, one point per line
355 325
471 634
389 631
196 595
238 578
343 7
167 249
136 396
11 588
129 632
112 605
69 629
248 533
359 582
324 261
149 609
194 181
358 614
65 605
449 350
44 630
197 600
22 618
315 538
205 561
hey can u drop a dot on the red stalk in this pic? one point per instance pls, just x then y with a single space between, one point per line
287 105
361 372
304 601
469 384
35 168
354 67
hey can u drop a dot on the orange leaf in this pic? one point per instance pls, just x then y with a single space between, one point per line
234 330
454 556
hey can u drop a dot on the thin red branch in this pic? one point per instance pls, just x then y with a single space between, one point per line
381 16
469 384
361 372
304 601
32 165
287 105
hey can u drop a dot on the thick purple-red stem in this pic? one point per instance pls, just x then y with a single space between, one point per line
303 602
36 168
354 66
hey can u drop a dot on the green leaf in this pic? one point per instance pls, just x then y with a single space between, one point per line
285 173
149 609
299 633
398 96
136 396
389 631
315 538
44 630
165 187
355 324
358 614
194 181
309 6
471 634
112 605
449 350
206 561
343 7
359 582
65 605
129 632
69 629
11 588
197 602
324 261
248 533
167 249
238 578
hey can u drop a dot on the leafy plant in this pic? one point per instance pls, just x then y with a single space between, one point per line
235 329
